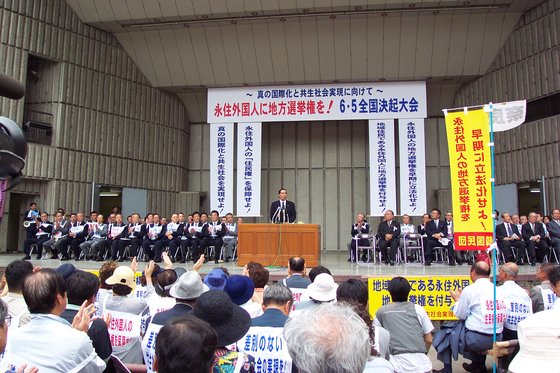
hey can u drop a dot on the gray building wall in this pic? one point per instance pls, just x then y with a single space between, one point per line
527 67
110 126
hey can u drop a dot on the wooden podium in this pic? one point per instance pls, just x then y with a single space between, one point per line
275 244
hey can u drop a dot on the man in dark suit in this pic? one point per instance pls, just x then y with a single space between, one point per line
388 233
133 236
213 235
42 234
277 303
436 230
554 231
155 232
283 211
32 216
77 234
509 240
195 234
533 234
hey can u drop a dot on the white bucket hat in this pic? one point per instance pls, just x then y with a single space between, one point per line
323 288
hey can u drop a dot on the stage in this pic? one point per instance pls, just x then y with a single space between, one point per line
335 261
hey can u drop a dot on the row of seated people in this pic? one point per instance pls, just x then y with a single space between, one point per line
97 239
392 235
530 239
520 239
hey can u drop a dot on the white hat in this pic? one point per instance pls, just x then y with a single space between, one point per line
188 286
539 350
122 275
323 288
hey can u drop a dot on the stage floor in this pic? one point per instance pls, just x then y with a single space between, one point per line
336 262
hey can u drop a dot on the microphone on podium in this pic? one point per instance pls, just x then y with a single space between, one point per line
276 215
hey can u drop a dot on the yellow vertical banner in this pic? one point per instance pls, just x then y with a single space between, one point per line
468 136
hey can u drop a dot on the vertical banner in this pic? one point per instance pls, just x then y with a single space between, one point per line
249 169
382 178
221 167
412 163
468 136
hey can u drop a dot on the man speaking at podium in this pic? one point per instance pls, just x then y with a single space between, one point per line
283 211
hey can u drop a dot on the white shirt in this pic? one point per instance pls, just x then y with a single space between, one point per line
406 228
378 365
52 345
254 309
99 300
157 303
476 307
518 302
17 308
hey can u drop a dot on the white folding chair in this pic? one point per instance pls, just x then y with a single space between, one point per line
413 242
552 254
370 248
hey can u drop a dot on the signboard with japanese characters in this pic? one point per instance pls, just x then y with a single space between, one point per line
412 159
269 348
249 169
124 328
221 167
507 115
430 293
380 103
468 138
352 101
382 175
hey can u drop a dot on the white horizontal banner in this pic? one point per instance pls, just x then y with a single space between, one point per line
351 101
508 115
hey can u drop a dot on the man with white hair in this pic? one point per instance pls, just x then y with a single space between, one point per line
517 300
346 350
277 303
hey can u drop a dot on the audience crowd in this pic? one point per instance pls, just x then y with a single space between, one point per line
172 320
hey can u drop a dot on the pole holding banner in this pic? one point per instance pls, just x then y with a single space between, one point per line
249 144
221 167
383 185
412 150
